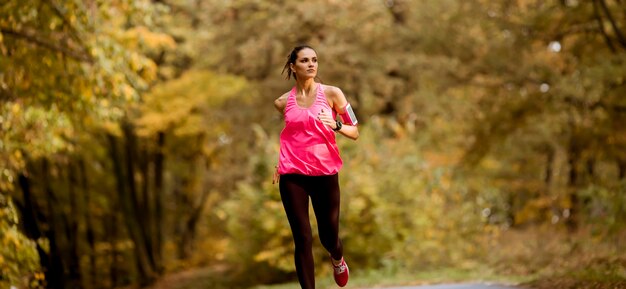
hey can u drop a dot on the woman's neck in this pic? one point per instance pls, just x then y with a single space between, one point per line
305 85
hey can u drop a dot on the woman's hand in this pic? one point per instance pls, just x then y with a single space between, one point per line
276 176
327 118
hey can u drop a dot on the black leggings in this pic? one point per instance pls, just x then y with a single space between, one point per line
295 191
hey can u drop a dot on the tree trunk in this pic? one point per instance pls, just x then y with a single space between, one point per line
31 228
547 180
55 269
28 210
128 206
137 208
147 204
549 168
190 227
90 235
74 272
591 169
112 237
159 160
572 221
181 203
621 169
196 207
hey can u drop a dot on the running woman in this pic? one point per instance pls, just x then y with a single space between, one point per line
309 162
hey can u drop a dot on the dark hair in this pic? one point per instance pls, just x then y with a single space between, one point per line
292 57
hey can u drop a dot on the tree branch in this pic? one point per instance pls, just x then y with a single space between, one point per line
618 32
606 37
33 38
61 15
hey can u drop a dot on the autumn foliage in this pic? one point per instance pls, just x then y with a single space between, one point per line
139 138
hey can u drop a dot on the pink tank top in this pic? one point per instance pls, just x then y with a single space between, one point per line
307 146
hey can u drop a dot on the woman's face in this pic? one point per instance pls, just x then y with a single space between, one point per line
306 64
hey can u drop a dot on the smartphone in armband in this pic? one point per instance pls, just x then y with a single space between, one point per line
348 116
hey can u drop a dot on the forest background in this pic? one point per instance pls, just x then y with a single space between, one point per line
139 138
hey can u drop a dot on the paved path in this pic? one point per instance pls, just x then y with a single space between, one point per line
456 286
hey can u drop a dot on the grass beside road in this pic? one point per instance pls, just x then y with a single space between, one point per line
602 274
605 274
216 279
384 278
539 258
530 258
599 273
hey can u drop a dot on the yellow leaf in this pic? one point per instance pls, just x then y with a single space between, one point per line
16 108
128 92
112 128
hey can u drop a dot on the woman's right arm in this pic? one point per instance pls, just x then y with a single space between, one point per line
281 102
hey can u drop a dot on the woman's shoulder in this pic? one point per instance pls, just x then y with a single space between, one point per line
332 91
285 95
281 101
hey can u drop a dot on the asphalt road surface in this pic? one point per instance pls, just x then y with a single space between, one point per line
456 286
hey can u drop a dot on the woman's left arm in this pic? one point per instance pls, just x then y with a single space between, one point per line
339 104
350 131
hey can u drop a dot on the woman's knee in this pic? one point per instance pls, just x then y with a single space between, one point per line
303 240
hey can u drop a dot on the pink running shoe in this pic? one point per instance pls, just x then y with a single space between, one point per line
341 273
